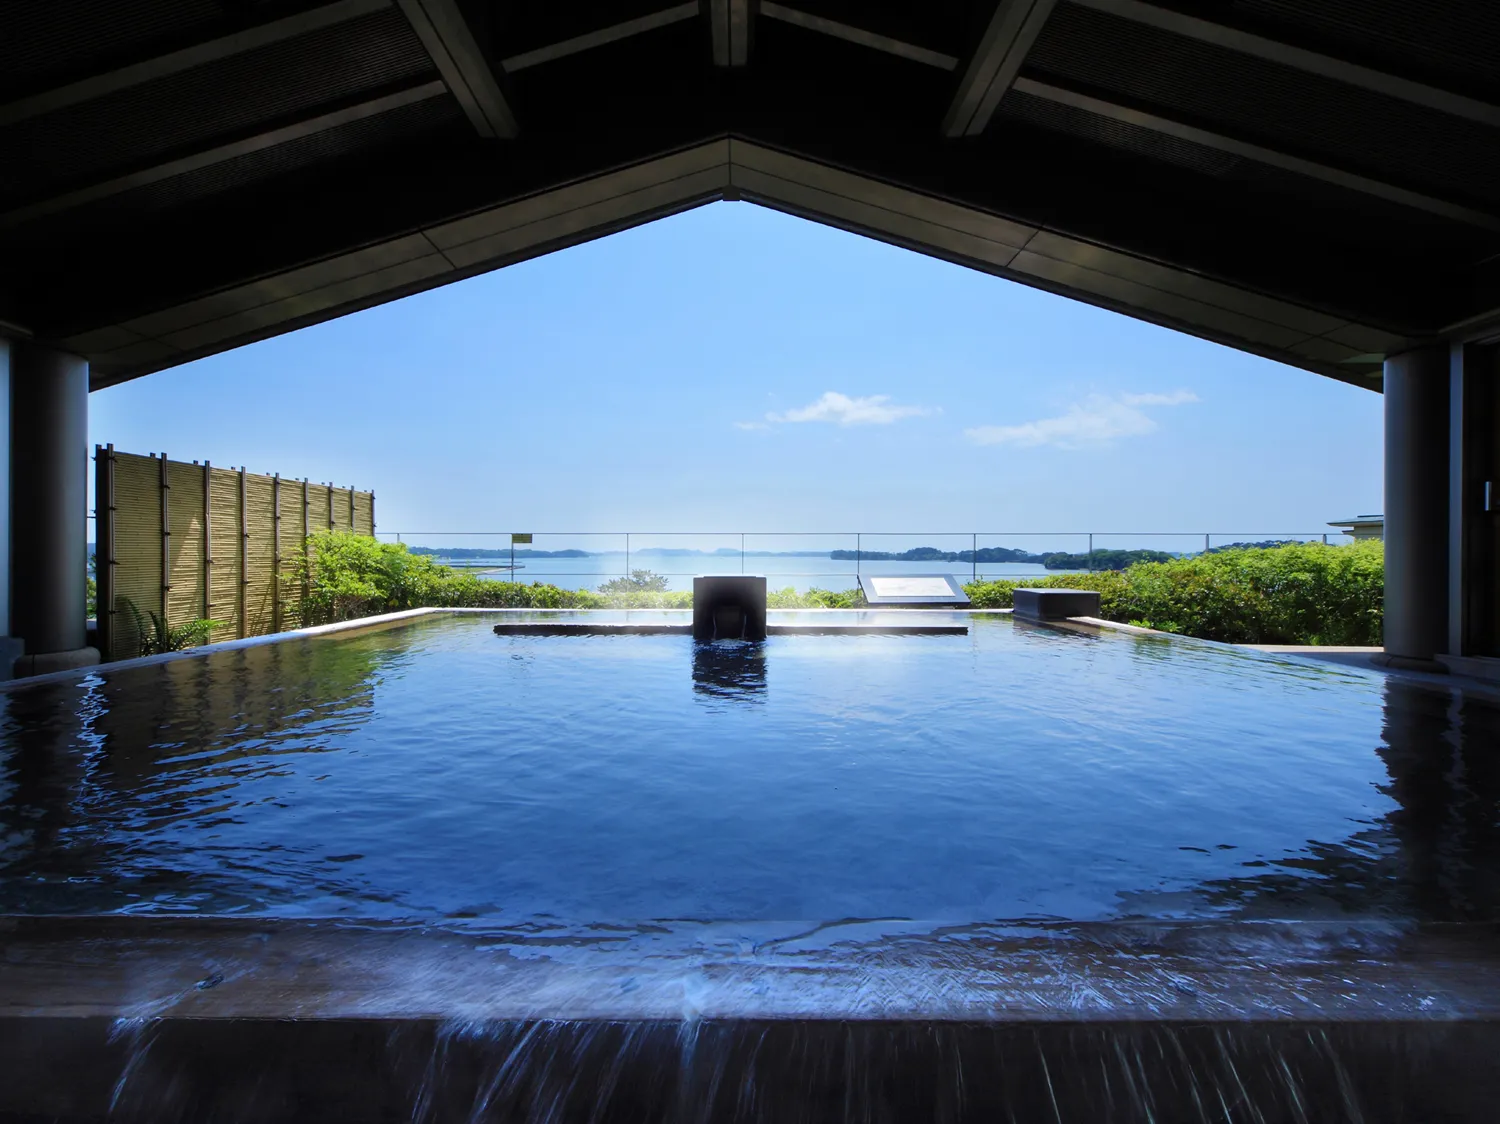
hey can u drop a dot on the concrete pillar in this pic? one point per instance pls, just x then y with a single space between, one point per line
49 403
1416 507
1474 504
10 648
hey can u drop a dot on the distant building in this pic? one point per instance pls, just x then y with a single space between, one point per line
1362 527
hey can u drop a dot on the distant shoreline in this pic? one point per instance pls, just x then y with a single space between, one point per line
644 552
1101 559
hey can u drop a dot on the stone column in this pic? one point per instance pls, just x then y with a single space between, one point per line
49 403
1474 505
1416 507
10 647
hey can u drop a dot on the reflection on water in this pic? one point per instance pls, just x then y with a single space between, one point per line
730 670
1435 854
439 771
98 775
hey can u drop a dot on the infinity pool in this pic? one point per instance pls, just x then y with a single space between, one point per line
436 771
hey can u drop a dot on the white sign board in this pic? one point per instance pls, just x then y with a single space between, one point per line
892 586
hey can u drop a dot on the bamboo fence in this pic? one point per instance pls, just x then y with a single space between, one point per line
194 542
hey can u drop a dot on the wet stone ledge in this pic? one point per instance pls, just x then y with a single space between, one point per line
236 1020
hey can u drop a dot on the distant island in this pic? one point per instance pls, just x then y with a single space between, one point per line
1101 559
460 552
494 552
1052 560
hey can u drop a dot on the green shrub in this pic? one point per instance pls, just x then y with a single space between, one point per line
1296 594
347 575
639 581
1305 593
789 598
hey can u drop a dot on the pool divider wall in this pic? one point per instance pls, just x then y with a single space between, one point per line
662 628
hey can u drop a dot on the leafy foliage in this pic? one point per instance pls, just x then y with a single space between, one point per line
1304 593
789 598
1295 594
155 637
347 575
639 581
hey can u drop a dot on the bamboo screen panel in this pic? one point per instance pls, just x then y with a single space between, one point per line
260 554
136 545
224 541
190 542
319 504
188 592
364 513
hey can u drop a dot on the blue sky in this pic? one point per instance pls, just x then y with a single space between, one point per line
734 368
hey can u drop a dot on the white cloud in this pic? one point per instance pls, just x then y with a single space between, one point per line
1176 398
1097 420
840 409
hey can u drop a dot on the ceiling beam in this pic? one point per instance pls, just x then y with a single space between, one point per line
1272 50
729 26
174 62
1012 30
1156 122
592 39
455 50
857 35
191 162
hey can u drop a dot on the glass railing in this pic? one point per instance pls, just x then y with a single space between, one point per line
813 559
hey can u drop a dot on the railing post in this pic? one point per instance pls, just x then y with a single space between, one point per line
166 538
208 543
1091 552
974 557
627 555
244 629
306 555
276 553
104 576
742 552
1205 544
859 551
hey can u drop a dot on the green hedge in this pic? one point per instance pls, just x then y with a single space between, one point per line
348 575
1300 594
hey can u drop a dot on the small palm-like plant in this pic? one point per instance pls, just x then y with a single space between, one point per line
157 637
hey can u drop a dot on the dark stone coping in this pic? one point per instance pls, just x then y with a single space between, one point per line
591 628
1055 604
259 1020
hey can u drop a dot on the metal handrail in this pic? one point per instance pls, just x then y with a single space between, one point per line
630 539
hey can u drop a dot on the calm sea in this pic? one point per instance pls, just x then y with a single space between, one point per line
780 571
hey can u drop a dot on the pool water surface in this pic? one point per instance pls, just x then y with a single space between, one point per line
435 771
